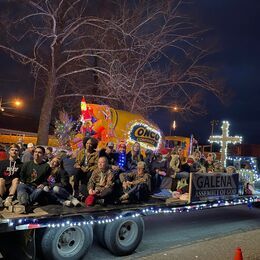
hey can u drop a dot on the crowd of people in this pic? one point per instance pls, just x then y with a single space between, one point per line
40 175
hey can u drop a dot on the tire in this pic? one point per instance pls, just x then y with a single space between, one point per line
99 231
71 242
122 237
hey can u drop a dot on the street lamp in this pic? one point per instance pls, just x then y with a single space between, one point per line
175 108
17 103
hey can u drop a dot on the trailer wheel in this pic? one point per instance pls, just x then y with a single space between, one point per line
99 231
123 237
71 242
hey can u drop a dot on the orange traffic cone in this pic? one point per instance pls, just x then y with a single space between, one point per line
238 254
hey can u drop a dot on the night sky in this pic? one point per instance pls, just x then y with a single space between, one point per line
235 23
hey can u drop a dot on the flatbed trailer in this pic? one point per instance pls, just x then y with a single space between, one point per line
58 232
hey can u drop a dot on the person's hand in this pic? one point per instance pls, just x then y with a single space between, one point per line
124 184
129 183
91 192
41 186
46 188
115 167
77 166
162 173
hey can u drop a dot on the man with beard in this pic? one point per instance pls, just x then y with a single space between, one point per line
9 176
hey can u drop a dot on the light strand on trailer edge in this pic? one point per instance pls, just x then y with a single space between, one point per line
23 225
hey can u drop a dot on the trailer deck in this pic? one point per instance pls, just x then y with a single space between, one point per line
54 215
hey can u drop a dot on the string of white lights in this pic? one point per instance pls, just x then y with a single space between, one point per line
33 223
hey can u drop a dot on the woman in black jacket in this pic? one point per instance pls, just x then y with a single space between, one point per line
59 187
134 156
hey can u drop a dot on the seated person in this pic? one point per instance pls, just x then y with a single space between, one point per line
49 155
100 185
197 165
109 153
149 159
209 163
86 163
218 167
134 156
135 184
121 157
34 175
28 153
158 171
231 169
59 188
9 176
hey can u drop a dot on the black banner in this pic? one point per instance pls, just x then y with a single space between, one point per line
204 187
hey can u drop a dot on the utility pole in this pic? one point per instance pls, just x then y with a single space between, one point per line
213 124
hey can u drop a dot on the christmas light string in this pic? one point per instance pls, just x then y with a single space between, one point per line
33 223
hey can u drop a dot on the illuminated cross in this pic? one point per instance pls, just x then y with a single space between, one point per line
224 140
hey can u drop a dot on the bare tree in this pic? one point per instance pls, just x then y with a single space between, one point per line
136 55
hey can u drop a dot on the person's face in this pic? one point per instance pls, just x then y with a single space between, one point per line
102 164
38 154
122 149
13 152
55 162
210 158
110 149
180 151
159 158
197 156
136 147
140 170
31 149
89 146
48 153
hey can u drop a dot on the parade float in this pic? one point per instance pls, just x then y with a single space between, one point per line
113 125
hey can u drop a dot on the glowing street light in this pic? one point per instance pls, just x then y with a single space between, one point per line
175 108
16 103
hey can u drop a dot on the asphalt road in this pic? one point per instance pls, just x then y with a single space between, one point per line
207 234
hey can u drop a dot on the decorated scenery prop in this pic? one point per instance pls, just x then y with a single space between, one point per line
64 130
224 140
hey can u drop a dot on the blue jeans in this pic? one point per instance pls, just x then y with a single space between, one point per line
59 194
28 194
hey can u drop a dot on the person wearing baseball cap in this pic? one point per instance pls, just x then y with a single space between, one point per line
28 154
109 153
